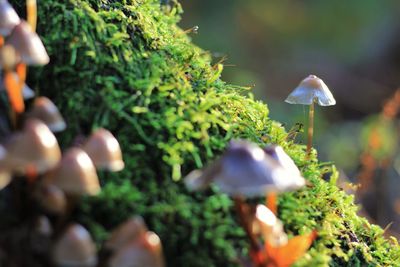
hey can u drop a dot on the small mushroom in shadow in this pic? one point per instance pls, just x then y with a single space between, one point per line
311 90
75 248
104 150
45 110
8 18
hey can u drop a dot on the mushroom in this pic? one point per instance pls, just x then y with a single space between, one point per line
43 226
143 252
130 230
245 170
75 174
8 18
45 110
104 150
75 248
51 198
28 45
34 148
8 57
310 90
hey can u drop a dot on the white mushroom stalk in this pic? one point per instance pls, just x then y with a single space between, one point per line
311 90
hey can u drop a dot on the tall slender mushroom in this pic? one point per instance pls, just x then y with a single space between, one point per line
311 90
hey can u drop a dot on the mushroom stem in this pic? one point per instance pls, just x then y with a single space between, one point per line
270 202
254 245
31 11
310 128
1 41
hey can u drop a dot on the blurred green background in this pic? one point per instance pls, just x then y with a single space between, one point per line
354 46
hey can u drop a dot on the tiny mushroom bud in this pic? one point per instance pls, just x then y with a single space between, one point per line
35 147
246 170
104 150
145 252
5 178
271 228
8 18
51 198
312 89
75 248
75 174
130 230
28 45
45 110
43 226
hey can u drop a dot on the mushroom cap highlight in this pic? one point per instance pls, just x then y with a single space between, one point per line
35 146
104 150
311 89
45 110
245 170
277 153
8 18
75 248
75 174
28 45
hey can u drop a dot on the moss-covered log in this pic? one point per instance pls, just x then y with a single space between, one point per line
126 65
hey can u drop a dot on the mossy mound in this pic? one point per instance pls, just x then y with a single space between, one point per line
126 66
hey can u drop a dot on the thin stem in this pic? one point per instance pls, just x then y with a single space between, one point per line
1 41
254 245
310 128
31 10
271 202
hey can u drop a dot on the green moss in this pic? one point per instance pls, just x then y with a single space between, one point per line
126 66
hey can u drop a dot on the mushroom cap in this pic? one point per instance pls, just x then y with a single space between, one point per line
5 178
311 89
277 153
8 18
35 146
75 248
104 150
245 170
146 252
45 110
43 226
28 45
75 174
51 198
128 231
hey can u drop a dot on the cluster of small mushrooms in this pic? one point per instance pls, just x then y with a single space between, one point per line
44 185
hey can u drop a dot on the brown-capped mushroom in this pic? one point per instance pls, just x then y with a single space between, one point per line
35 147
8 18
45 110
104 150
245 170
28 45
75 248
310 90
143 252
75 174
130 230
